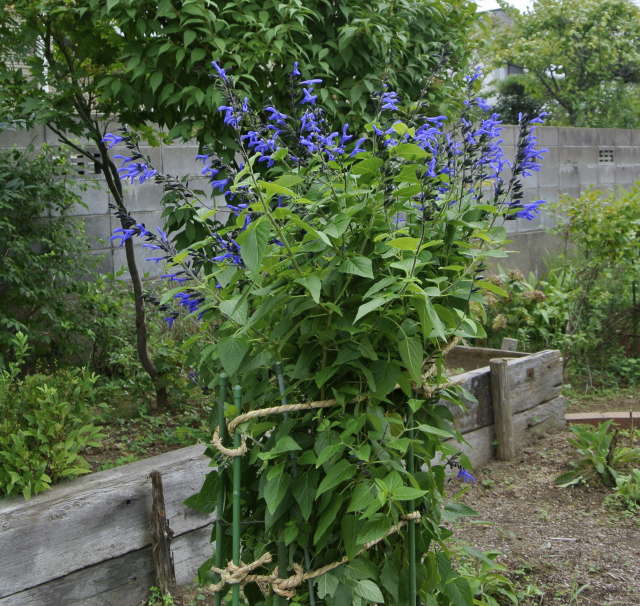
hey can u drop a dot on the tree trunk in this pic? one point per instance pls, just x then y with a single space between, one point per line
115 187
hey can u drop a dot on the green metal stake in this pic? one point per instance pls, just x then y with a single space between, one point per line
222 492
413 586
237 400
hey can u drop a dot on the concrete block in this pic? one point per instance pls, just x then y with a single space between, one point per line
97 228
606 174
154 157
626 175
549 173
569 176
509 134
548 193
626 155
143 197
581 137
95 198
635 137
104 260
533 251
613 137
548 136
148 269
22 138
575 156
180 160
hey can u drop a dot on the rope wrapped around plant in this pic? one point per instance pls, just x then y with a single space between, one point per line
286 588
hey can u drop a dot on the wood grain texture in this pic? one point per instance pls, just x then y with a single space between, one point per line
161 535
470 358
94 518
121 581
502 411
528 426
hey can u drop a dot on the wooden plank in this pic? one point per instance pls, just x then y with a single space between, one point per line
509 344
535 379
474 414
502 412
161 535
470 358
94 518
121 581
527 427
620 419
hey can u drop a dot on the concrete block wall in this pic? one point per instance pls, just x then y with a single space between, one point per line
577 158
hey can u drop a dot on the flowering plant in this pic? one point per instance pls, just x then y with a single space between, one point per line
338 268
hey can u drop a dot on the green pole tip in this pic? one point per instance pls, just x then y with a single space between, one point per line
237 390
223 376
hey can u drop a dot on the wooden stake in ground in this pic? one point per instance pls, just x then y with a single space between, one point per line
502 410
161 539
509 344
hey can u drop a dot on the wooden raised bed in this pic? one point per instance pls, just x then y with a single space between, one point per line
87 542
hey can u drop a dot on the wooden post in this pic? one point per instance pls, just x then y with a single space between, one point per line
502 413
161 539
509 344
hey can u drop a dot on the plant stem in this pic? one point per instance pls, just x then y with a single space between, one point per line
413 591
237 400
222 492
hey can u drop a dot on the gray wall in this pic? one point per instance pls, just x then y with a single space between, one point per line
577 158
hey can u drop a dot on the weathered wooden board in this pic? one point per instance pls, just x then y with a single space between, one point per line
527 426
94 518
534 379
470 358
121 581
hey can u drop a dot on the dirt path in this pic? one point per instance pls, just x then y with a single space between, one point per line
559 539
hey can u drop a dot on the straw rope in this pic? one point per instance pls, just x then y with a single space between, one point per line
428 391
241 574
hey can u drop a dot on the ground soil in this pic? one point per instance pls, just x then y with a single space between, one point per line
559 539
618 400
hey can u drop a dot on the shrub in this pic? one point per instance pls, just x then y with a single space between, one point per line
345 265
42 251
44 425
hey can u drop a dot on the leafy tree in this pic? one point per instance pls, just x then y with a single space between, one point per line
52 56
513 100
581 57
168 45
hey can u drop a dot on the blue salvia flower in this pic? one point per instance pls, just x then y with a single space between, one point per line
221 72
134 170
220 184
230 118
126 233
477 73
389 100
530 210
465 476
308 97
111 140
295 71
276 116
345 137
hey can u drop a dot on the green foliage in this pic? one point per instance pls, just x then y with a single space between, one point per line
43 253
581 58
588 305
514 99
626 494
44 424
601 458
161 71
489 584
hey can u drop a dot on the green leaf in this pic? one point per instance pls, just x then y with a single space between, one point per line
288 180
412 355
405 243
435 431
359 266
189 36
290 532
236 308
313 284
369 591
491 287
232 351
455 511
407 493
276 487
368 307
284 444
409 151
155 80
326 585
341 472
327 519
305 492
253 243
361 497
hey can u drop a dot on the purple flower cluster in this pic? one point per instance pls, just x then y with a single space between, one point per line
134 169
